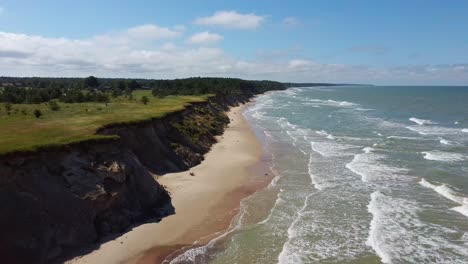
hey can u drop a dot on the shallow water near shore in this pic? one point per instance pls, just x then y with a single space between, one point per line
362 175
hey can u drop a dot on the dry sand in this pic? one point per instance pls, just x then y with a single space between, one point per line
204 203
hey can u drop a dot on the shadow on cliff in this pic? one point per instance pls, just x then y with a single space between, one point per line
167 210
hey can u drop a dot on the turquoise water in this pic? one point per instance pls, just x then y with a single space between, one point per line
363 175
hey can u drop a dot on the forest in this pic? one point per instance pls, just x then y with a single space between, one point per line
17 90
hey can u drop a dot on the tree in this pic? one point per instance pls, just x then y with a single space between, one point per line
133 85
145 100
37 113
54 106
91 81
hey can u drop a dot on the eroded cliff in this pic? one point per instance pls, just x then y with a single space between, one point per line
58 201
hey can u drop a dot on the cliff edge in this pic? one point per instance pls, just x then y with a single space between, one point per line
58 201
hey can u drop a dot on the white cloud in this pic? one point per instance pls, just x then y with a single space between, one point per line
150 31
204 38
291 22
117 54
300 64
232 19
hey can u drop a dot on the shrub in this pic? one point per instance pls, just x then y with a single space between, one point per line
37 113
145 100
54 106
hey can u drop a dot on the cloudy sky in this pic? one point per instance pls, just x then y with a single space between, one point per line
379 42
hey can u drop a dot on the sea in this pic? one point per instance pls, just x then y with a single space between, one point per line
362 174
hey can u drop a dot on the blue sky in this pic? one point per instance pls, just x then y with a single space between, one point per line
381 42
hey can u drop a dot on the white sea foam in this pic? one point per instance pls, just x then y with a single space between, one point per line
456 122
331 149
401 137
278 201
285 124
465 130
333 103
443 156
435 130
449 193
317 185
461 209
444 141
421 122
368 150
322 132
397 234
341 103
370 167
377 133
326 134
375 239
287 254
416 130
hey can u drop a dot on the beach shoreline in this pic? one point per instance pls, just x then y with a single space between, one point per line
205 203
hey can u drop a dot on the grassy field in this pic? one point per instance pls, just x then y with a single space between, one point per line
22 131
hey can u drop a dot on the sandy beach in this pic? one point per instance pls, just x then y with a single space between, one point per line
204 203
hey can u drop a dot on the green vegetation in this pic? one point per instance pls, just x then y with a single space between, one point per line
145 100
42 112
29 127
18 90
203 122
193 86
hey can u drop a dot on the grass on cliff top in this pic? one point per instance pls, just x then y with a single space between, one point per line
21 131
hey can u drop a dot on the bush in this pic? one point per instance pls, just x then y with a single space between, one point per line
145 100
37 113
54 106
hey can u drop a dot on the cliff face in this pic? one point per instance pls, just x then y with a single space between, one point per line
57 201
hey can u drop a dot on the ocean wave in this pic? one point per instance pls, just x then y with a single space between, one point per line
401 137
416 130
434 130
341 103
333 103
443 156
450 194
465 130
313 178
288 254
370 167
375 239
278 201
421 122
331 149
311 104
398 235
326 134
444 141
